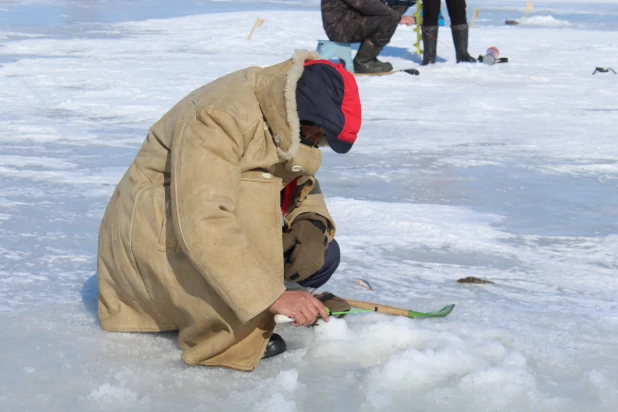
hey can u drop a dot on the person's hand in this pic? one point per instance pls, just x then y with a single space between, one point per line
299 305
407 20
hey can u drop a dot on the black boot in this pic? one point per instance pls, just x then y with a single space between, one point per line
460 39
430 42
365 60
275 346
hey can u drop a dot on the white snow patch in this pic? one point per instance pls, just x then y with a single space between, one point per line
112 393
543 21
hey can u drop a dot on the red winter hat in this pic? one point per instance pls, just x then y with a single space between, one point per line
327 95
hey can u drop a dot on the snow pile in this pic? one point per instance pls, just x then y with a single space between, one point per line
543 21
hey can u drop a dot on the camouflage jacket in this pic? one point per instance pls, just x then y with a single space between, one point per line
340 15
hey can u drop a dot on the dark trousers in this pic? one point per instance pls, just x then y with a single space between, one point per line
332 256
377 29
404 3
456 11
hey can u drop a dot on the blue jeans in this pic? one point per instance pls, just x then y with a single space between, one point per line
332 257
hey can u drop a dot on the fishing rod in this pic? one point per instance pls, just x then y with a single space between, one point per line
367 307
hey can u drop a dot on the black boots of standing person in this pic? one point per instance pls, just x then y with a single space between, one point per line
430 43
365 60
460 39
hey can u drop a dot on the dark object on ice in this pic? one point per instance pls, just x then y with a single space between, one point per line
603 70
472 279
413 72
511 22
498 60
275 346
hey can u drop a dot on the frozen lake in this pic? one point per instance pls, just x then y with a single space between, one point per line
505 172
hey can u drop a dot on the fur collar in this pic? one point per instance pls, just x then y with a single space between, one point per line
299 58
276 93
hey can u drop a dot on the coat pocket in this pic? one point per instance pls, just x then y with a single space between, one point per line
259 215
167 238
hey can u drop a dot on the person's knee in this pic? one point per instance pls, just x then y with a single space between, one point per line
386 30
392 22
332 257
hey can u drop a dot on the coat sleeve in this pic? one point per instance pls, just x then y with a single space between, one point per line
313 202
205 184
371 7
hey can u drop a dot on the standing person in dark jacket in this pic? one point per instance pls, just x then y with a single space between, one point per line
370 22
459 28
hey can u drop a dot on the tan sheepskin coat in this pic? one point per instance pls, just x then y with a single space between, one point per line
191 238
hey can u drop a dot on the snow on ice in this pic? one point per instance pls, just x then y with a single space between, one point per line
506 172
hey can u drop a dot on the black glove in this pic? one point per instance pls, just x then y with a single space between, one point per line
304 245
334 303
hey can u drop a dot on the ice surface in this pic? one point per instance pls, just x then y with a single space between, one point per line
506 172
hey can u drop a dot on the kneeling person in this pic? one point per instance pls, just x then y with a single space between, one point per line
192 237
370 22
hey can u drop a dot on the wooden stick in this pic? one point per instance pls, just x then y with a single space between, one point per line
257 24
389 310
474 16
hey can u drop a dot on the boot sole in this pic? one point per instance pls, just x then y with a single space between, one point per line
275 346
